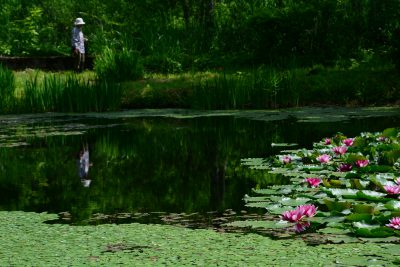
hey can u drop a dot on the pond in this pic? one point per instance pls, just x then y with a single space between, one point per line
179 162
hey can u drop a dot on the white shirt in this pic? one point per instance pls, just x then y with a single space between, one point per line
77 40
83 165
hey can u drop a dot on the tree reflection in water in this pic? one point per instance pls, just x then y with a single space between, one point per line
146 165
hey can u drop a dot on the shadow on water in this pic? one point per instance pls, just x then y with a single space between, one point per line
149 169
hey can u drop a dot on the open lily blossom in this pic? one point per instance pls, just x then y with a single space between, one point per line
392 189
324 158
301 226
313 182
308 210
348 141
344 167
292 215
299 213
362 163
340 150
286 159
327 141
394 223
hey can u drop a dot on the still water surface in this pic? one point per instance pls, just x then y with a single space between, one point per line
154 160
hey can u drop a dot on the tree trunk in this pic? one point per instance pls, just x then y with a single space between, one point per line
186 12
208 22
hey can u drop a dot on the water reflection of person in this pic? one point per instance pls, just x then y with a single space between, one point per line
83 165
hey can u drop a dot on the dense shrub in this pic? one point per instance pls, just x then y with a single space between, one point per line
118 66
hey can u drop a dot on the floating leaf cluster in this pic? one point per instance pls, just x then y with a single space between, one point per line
27 241
354 183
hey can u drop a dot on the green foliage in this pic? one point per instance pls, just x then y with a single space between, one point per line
118 66
262 88
162 64
7 87
69 94
177 33
40 244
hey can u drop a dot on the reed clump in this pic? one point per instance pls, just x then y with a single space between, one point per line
7 88
118 65
70 94
261 88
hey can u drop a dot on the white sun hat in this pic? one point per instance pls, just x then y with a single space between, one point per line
79 21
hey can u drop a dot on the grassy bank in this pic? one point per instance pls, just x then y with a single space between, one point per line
30 242
265 88
262 88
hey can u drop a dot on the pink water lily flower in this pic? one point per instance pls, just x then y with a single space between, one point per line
362 163
392 189
344 167
394 223
309 210
301 226
314 182
292 215
299 213
286 159
339 150
348 141
328 141
324 158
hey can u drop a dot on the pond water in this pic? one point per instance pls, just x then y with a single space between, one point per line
156 161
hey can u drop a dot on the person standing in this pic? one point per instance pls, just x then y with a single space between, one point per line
78 45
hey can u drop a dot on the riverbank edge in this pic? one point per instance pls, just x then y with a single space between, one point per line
324 88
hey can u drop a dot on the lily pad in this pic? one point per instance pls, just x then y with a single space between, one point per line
336 231
260 224
372 195
342 193
283 144
393 205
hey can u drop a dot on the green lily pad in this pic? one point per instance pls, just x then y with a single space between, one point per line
283 144
372 195
328 220
257 199
337 205
378 232
258 204
364 208
269 191
368 230
393 205
336 231
286 201
359 217
337 239
359 184
276 209
342 193
260 224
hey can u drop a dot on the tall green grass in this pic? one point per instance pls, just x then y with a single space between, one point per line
266 88
118 66
58 93
69 94
261 88
7 87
